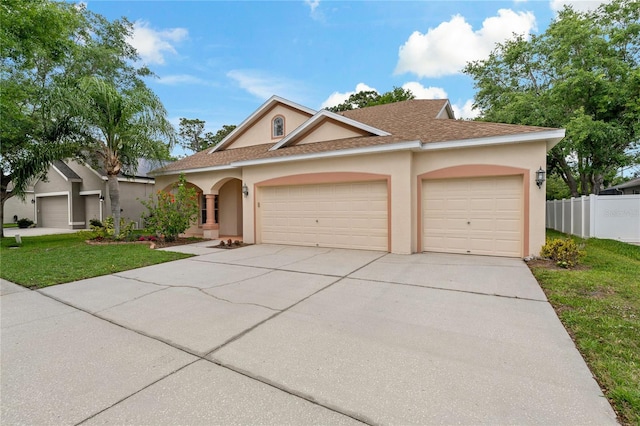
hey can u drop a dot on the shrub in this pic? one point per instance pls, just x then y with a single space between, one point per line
24 223
565 252
171 213
106 228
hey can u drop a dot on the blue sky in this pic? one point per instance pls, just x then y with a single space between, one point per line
218 61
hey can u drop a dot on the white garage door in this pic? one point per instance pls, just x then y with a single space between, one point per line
473 215
342 215
53 212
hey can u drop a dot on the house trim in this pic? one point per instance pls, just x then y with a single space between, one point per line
479 170
91 192
552 137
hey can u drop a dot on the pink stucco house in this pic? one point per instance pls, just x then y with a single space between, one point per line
404 178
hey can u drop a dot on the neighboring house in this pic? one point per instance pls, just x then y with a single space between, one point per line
74 193
403 177
627 188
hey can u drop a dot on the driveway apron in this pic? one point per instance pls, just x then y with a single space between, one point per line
275 334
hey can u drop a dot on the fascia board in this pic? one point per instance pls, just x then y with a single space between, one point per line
256 114
136 180
327 114
447 107
402 146
198 170
553 136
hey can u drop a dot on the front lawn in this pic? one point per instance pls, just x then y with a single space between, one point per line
53 259
600 307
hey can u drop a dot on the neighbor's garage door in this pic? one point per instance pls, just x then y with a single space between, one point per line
473 215
53 212
341 215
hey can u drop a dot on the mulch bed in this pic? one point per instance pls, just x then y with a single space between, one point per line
154 244
550 264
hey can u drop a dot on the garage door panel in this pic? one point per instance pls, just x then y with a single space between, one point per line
346 215
473 215
53 212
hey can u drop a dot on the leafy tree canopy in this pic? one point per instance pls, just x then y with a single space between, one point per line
193 138
369 98
581 74
47 49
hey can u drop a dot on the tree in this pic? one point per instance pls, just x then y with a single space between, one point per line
192 137
46 49
367 98
582 74
222 133
125 124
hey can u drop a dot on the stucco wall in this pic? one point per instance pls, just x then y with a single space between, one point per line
230 204
15 206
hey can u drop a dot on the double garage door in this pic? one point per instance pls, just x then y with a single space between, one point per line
482 215
343 215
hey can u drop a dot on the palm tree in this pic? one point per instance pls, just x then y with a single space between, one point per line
125 124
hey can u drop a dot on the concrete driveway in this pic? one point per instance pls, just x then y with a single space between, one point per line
292 335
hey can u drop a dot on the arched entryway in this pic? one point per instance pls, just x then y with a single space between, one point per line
224 209
230 208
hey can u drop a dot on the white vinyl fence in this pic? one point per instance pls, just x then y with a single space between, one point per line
616 217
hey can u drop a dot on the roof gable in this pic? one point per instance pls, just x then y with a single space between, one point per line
325 126
256 129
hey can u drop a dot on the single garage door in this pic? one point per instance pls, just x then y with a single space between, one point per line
341 215
473 215
53 212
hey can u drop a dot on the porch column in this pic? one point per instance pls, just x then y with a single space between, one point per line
211 228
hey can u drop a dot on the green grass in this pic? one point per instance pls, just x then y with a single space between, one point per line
10 225
600 307
53 259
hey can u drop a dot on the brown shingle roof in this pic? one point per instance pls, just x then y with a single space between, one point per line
406 121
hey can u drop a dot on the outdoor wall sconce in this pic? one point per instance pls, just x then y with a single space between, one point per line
540 177
33 201
101 198
245 190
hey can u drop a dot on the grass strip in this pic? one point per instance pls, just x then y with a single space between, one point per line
54 259
600 308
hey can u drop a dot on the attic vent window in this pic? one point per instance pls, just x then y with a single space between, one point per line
278 127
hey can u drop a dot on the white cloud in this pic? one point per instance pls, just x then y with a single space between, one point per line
313 4
316 14
264 86
421 92
466 110
153 44
337 98
577 5
445 50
